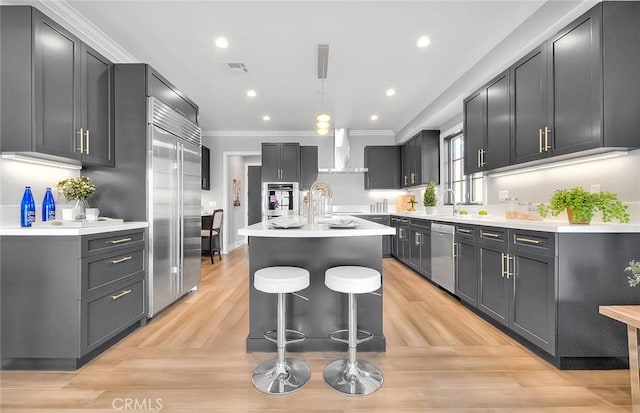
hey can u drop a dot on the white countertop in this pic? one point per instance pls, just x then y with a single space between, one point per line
321 230
70 231
546 225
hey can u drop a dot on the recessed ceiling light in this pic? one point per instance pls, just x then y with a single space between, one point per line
222 42
266 117
390 92
423 41
251 93
374 117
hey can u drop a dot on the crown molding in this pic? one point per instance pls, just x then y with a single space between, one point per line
295 133
69 17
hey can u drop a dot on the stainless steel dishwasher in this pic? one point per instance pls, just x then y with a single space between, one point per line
442 266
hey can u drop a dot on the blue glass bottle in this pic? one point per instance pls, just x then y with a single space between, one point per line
27 208
48 206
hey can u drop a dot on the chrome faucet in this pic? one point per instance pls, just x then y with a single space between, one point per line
325 190
455 207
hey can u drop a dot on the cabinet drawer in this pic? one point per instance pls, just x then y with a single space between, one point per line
466 231
101 271
420 223
540 242
493 234
380 219
111 242
112 312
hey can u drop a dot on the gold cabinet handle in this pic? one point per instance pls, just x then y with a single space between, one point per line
119 241
464 231
502 265
122 294
87 135
490 234
81 133
507 258
413 178
540 140
479 161
123 259
528 240
482 161
547 131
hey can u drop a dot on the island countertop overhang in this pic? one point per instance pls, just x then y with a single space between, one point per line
320 230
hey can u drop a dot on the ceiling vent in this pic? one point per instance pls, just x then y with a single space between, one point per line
236 67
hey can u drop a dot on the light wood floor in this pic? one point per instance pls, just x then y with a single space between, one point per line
440 358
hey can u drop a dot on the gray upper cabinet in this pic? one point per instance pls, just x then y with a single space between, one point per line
66 110
383 164
97 108
572 93
308 166
280 162
421 159
529 100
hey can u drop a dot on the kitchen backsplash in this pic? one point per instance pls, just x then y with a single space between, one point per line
16 175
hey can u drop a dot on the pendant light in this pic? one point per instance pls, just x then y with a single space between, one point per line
323 119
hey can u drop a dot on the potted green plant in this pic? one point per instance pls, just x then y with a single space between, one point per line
78 190
581 206
429 200
634 269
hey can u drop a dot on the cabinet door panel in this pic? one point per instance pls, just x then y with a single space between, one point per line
57 89
414 248
290 162
308 166
425 252
474 131
97 108
533 314
270 162
529 97
467 272
493 299
575 75
383 163
498 150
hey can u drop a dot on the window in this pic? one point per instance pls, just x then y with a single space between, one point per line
469 189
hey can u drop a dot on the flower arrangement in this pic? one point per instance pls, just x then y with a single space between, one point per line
634 269
79 188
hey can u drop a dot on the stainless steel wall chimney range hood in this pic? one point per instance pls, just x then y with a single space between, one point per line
341 155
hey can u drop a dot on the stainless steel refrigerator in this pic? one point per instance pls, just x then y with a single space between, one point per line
173 188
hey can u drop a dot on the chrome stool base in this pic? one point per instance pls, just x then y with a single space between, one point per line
356 379
272 377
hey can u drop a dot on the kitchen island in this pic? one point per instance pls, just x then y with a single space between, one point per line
315 247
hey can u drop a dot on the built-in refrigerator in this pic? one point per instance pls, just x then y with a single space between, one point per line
156 178
174 207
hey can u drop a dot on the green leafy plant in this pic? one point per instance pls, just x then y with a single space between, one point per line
76 188
429 199
634 269
581 205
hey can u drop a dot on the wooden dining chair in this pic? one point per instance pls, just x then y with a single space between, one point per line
214 233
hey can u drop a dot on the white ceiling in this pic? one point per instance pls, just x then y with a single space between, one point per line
372 48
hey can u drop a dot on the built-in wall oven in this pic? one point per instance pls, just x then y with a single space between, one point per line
280 199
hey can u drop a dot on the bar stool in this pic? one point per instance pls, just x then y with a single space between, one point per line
352 376
281 375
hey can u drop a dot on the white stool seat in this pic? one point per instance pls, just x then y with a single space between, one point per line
352 279
284 280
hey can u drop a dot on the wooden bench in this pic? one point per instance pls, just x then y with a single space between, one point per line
630 315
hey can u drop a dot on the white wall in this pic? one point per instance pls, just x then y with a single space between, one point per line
14 176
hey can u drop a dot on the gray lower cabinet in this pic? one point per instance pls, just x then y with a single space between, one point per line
401 239
466 264
56 91
80 294
386 239
420 246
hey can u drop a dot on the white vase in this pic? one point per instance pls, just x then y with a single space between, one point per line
430 210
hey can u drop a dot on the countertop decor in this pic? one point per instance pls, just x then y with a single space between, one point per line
581 205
